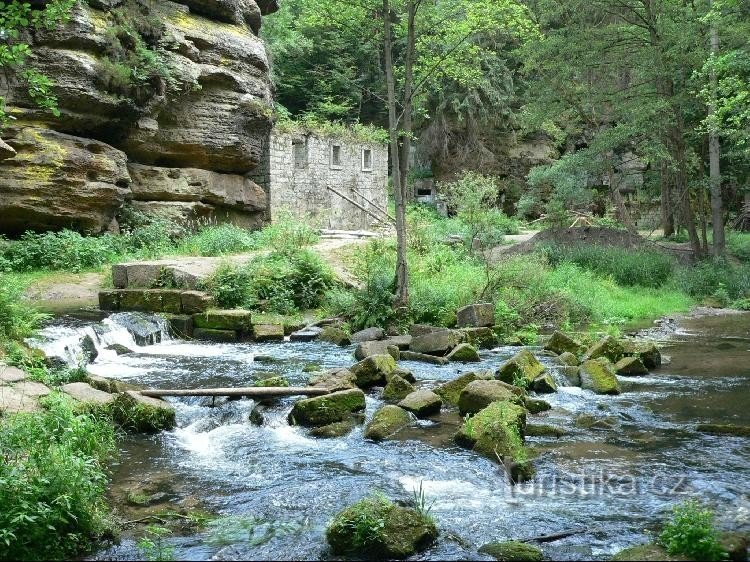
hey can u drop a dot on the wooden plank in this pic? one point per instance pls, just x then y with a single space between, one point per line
250 391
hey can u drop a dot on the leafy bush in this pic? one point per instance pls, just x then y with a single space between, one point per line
52 482
627 267
691 533
739 245
716 278
219 240
17 319
229 285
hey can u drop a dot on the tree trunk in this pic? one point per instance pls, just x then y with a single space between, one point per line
402 279
406 131
714 152
682 189
623 215
667 216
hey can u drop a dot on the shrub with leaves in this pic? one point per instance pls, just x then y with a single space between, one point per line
691 532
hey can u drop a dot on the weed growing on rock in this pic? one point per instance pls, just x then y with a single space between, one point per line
691 533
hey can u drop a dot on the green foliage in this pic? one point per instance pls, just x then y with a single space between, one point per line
17 318
691 532
52 482
421 504
628 267
365 521
220 240
739 245
317 124
716 278
153 545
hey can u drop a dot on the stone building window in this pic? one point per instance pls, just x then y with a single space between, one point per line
299 148
336 156
366 160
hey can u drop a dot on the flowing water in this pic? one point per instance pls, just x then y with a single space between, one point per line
277 488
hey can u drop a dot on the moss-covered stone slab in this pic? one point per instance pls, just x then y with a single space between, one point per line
368 334
422 403
180 325
334 335
476 315
215 335
544 384
520 370
392 532
423 358
560 343
196 301
268 332
646 351
335 379
598 375
216 319
436 343
376 347
464 353
630 367
567 359
608 347
373 370
109 300
536 406
479 394
327 409
451 390
482 338
386 422
512 551
544 430
397 388
333 430
142 414
32 388
112 386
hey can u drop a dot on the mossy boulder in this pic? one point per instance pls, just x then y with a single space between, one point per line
536 406
386 421
335 379
405 374
571 374
544 384
335 429
423 357
464 353
630 367
560 343
544 430
646 351
512 550
397 388
608 347
368 334
422 403
327 409
369 348
567 359
646 553
373 370
113 386
476 315
587 421
272 381
479 394
735 545
497 432
142 414
209 334
216 319
436 343
332 334
451 391
268 332
482 338
377 528
599 376
521 369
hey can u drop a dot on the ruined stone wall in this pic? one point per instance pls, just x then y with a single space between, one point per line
182 144
298 169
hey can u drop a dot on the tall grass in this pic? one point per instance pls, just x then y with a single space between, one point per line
17 318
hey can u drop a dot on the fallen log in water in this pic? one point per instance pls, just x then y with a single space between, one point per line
249 391
555 536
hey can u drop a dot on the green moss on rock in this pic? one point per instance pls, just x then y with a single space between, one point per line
608 347
630 367
377 528
451 391
646 351
335 429
327 409
567 359
544 430
483 338
142 414
645 552
387 421
373 370
521 369
561 343
599 376
272 381
332 334
216 319
536 406
397 388
544 384
464 353
512 550
479 394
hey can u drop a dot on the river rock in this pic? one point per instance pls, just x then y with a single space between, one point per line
476 315
567 359
327 409
544 430
536 405
423 358
142 414
397 388
394 532
119 349
268 332
335 429
450 391
373 370
402 342
724 429
368 334
88 398
479 394
630 366
521 369
464 353
386 421
368 348
647 351
272 381
735 545
608 347
421 403
233 319
227 336
112 386
482 338
335 379
335 335
10 374
436 343
416 330
646 553
512 550
572 375
560 343
587 421
405 374
599 376
544 384
13 402
307 334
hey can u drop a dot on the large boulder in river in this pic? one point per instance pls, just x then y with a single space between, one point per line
646 351
512 550
560 343
630 366
544 384
333 334
368 334
599 376
464 353
142 414
608 347
479 394
327 409
386 421
476 315
451 390
436 343
373 370
521 369
397 388
334 379
391 531
422 403
482 338
382 347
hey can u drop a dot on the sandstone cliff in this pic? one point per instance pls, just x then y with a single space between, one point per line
166 104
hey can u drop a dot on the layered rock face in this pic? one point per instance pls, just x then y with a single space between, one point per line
163 104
